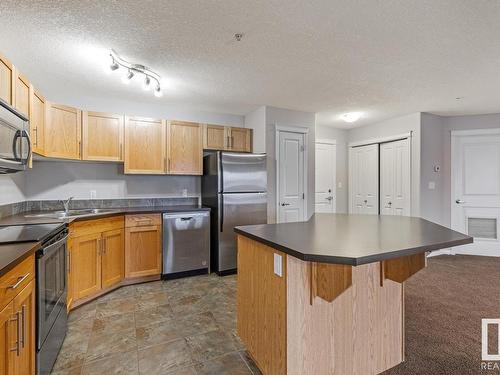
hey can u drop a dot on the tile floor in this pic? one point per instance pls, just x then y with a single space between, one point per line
177 327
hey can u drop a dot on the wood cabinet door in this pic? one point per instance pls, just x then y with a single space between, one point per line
185 148
62 131
6 80
215 137
22 93
37 121
112 260
142 251
8 335
86 262
102 136
145 146
240 139
24 305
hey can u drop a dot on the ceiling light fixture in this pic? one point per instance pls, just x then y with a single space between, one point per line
351 116
136 69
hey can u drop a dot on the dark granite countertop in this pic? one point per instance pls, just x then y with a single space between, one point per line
12 254
23 219
354 239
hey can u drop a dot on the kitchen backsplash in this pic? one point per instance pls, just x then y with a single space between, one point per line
44 205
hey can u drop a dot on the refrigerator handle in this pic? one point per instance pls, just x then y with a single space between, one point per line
221 212
221 173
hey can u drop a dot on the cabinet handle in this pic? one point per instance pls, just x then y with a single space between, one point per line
99 246
23 325
20 279
69 262
104 245
232 141
121 151
228 142
17 349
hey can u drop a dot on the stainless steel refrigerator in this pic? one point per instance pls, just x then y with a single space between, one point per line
234 186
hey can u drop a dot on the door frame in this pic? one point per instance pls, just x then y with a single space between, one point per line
332 142
305 132
455 135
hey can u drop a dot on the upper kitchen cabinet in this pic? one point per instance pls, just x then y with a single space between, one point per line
185 148
103 135
240 139
21 93
62 131
6 80
215 137
37 121
145 145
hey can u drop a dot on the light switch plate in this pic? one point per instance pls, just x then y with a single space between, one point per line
184 192
93 194
278 265
432 185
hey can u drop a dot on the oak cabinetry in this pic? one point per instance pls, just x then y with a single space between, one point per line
143 249
17 320
96 261
21 93
145 145
37 121
62 131
215 137
102 136
185 148
240 139
6 80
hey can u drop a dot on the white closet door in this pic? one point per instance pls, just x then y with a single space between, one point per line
363 179
395 178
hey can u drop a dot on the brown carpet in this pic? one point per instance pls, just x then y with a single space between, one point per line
444 306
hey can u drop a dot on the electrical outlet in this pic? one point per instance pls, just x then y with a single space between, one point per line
278 265
432 185
340 185
184 193
93 194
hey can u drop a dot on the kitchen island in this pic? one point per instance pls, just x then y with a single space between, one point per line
326 296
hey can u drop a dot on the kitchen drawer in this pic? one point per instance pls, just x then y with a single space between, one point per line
92 226
16 279
142 220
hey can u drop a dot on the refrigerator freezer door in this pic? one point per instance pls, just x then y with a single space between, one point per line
243 172
238 209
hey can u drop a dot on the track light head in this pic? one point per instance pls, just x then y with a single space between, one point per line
127 77
158 93
147 83
114 65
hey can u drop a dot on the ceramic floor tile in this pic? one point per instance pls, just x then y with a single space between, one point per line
229 364
106 345
114 307
114 323
210 345
120 364
183 371
153 315
162 358
72 353
121 293
71 371
151 300
86 311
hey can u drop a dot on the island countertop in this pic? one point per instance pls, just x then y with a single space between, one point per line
354 239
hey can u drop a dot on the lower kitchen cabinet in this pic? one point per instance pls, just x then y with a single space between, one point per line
143 251
112 258
17 328
96 257
86 262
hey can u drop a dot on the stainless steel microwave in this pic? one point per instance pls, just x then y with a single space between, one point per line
15 145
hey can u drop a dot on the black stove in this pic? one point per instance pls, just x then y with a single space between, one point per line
29 233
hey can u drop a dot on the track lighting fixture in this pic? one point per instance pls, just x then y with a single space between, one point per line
136 69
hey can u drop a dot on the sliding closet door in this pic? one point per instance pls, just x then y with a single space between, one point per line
395 178
363 179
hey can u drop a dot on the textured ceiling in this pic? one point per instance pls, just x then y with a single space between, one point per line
384 58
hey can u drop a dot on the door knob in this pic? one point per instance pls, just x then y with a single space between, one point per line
285 204
329 198
366 201
459 201
389 203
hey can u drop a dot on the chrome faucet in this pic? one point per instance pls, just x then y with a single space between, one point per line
66 204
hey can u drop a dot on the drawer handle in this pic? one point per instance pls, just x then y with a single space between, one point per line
144 221
186 218
20 280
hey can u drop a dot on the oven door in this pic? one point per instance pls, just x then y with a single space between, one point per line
51 286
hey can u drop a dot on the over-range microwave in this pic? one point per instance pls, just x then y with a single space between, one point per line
15 145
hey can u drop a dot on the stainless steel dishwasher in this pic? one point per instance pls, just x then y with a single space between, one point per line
186 243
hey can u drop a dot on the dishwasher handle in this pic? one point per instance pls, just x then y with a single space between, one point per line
185 216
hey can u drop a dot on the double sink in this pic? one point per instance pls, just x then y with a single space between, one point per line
72 213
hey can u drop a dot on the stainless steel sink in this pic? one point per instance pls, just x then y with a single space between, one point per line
72 213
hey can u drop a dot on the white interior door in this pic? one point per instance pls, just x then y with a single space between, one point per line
326 180
290 177
475 206
395 169
363 179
